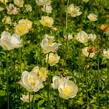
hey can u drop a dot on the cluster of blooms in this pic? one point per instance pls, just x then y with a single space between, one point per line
67 88
33 81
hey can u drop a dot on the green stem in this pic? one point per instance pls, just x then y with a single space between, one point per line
7 78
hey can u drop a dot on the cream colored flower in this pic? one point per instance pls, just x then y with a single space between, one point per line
92 37
31 81
47 21
43 2
86 53
48 44
67 89
23 27
1 9
74 11
4 1
82 37
47 8
69 36
41 72
106 53
7 20
92 17
85 1
52 59
28 8
9 42
11 9
19 3
55 83
25 98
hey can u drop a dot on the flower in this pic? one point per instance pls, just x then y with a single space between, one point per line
28 8
55 83
69 36
9 42
1 9
52 59
74 11
67 88
23 27
7 20
92 17
82 37
31 81
47 8
103 27
19 3
87 53
25 98
4 1
43 2
85 1
41 72
11 9
47 21
92 37
106 53
48 44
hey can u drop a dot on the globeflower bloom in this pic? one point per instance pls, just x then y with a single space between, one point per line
9 42
47 8
106 53
26 98
82 37
41 73
74 11
48 44
67 88
4 1
92 37
92 17
43 2
19 3
47 21
31 81
52 59
23 27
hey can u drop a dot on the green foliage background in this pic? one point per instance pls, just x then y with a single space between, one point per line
91 75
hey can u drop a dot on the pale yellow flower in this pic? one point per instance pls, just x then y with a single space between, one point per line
82 37
19 3
4 1
7 20
74 11
92 37
23 27
41 72
106 53
92 17
43 2
67 88
48 44
52 59
25 98
47 21
31 81
9 42
47 8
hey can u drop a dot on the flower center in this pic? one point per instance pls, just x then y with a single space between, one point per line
67 90
32 80
50 42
